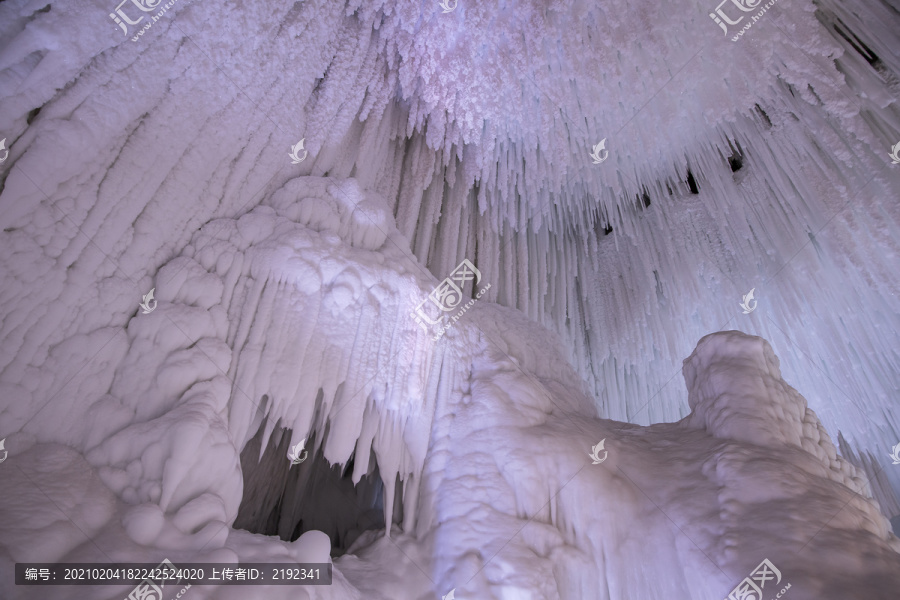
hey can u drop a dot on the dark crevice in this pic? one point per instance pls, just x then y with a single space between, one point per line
602 229
32 114
692 183
858 45
645 199
660 296
764 115
736 160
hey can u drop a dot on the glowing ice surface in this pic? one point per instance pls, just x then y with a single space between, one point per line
431 137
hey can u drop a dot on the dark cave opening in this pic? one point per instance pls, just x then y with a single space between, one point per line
288 500
643 200
736 160
692 183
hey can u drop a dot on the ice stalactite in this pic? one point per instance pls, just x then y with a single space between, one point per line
281 317
499 171
320 344
505 501
877 478
435 137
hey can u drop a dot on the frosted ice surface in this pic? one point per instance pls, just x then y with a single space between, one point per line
506 499
285 291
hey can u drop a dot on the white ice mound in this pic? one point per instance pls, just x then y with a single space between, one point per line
735 391
340 207
295 315
675 510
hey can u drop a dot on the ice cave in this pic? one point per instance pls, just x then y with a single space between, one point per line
450 300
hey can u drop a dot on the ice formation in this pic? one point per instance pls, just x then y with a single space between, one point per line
284 289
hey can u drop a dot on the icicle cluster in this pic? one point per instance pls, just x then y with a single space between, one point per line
761 164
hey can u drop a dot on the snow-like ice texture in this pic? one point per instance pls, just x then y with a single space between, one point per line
435 137
473 124
303 304
476 126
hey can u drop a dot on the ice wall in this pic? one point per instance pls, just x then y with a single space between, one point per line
261 320
474 126
258 317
